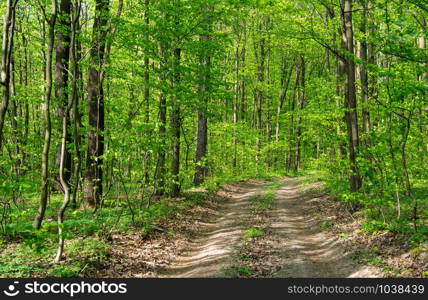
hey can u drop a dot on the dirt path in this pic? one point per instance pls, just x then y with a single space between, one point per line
208 253
305 250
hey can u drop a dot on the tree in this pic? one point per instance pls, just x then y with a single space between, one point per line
6 61
61 78
51 21
351 117
94 157
204 78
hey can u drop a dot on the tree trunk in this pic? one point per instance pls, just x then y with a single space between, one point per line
202 130
17 161
259 94
350 96
147 153
236 106
161 157
64 183
94 160
176 126
47 119
363 70
61 82
7 46
75 57
284 84
301 105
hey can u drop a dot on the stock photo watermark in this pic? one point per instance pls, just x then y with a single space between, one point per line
70 289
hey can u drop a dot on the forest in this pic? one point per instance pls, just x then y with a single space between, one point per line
124 123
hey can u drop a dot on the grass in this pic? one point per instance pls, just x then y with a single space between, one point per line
265 202
253 233
368 257
238 271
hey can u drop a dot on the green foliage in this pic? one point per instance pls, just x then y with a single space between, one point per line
253 233
64 271
368 257
238 271
26 252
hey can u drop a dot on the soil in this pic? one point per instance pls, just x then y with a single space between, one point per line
300 247
309 251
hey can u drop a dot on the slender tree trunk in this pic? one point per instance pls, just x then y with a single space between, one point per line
363 69
301 106
243 82
406 173
47 119
235 107
176 126
424 76
64 183
202 129
284 83
7 46
61 81
75 56
350 96
17 161
161 157
147 154
292 138
259 94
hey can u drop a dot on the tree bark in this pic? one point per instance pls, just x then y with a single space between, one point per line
94 159
301 105
7 46
350 96
161 157
75 57
176 127
47 118
63 39
202 129
147 153
363 69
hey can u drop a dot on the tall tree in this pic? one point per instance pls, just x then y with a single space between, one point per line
162 108
94 156
204 83
51 21
301 105
6 60
351 116
176 114
176 127
63 39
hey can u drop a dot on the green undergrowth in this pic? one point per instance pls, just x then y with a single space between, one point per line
377 210
26 252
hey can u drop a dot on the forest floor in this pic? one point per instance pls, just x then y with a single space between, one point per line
290 244
280 228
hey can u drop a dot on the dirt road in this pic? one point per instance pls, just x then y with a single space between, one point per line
304 249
